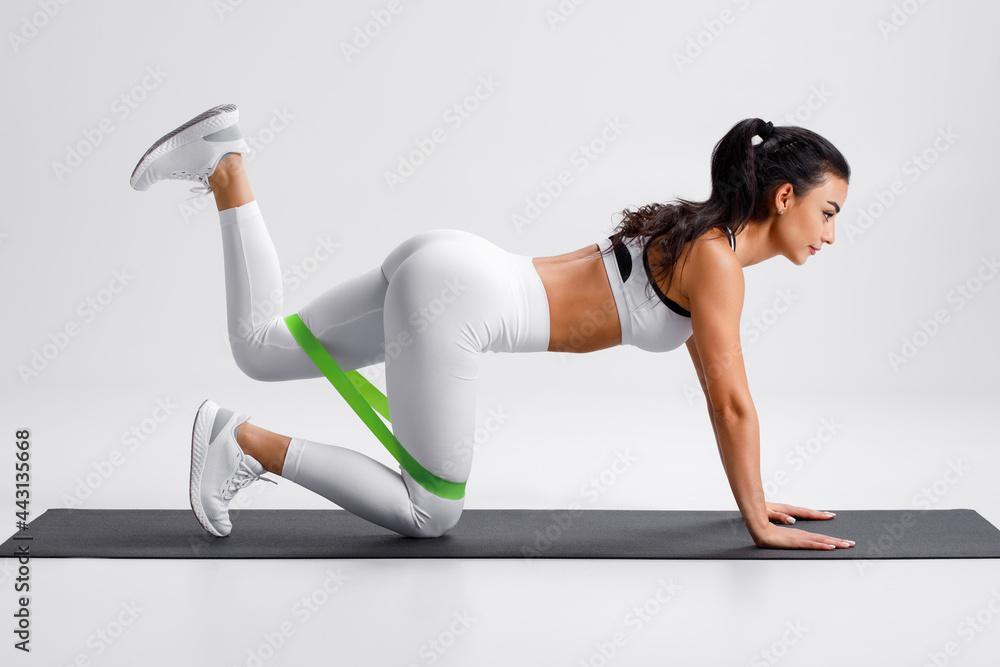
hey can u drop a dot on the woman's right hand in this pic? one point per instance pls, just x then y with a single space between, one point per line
794 538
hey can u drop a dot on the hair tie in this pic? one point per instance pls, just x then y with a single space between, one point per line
766 132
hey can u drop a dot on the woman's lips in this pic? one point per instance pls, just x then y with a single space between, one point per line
813 250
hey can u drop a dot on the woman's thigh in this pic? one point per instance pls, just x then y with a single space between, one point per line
440 306
348 319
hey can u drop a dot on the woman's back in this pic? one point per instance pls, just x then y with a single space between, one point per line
602 300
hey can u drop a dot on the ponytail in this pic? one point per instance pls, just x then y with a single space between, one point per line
744 174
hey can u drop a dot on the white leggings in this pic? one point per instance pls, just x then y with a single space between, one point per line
438 300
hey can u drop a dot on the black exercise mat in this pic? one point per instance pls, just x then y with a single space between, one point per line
505 533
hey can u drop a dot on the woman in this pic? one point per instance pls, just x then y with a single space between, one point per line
670 274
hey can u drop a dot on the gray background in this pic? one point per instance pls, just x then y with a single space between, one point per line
871 366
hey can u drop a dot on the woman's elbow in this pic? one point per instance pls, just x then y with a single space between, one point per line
733 406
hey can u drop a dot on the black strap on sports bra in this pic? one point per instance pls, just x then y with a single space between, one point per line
624 257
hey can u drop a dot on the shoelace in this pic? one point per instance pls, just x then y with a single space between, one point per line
243 476
202 189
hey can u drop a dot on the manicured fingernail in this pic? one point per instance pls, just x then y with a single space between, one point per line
830 513
791 519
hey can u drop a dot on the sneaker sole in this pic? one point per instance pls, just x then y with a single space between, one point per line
207 122
199 449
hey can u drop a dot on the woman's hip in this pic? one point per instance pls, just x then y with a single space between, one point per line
449 287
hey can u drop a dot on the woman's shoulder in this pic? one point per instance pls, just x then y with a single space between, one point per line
710 267
710 234
711 246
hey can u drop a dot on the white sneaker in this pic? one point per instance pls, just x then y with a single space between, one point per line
219 467
192 151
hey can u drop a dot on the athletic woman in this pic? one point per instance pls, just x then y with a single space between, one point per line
669 275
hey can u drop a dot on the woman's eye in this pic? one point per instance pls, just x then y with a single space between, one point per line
827 214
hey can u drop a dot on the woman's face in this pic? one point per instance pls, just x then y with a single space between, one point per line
808 221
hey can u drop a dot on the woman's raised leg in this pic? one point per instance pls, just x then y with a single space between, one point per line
444 306
227 453
347 318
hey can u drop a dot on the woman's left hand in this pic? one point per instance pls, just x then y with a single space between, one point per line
788 513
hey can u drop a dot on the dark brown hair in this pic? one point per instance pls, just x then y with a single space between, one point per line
744 176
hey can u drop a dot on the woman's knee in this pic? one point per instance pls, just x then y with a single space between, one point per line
249 361
255 359
441 521
432 515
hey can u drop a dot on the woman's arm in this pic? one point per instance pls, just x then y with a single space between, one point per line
716 299
696 362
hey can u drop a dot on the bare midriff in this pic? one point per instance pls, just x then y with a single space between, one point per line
583 316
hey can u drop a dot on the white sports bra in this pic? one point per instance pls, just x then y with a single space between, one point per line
656 323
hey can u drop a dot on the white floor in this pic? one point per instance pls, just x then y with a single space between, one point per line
882 454
486 612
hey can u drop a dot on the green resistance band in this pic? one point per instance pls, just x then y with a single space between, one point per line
362 396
